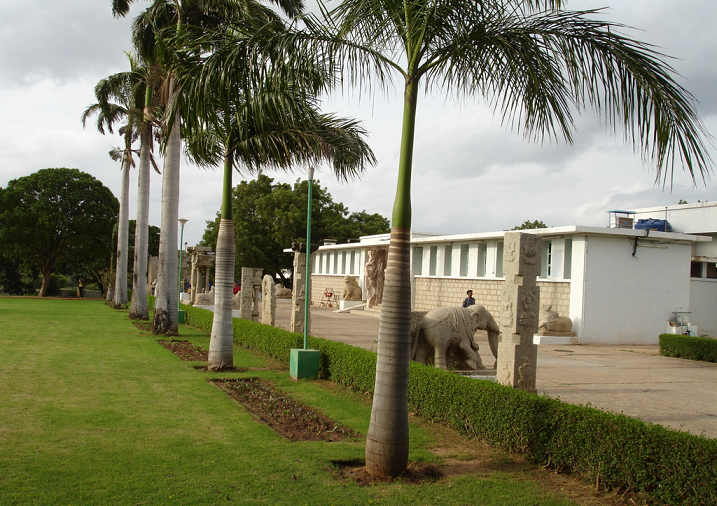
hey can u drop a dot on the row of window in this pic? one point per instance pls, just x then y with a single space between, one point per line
703 270
337 262
483 259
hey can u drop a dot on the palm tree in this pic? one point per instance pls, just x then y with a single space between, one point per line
535 63
117 99
253 119
191 17
138 308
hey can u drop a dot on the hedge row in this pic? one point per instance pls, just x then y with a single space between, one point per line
618 452
689 347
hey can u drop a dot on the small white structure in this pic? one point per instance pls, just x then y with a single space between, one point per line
619 285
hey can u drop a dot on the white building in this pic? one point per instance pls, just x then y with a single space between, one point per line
618 285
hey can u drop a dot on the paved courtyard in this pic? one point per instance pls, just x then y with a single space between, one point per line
633 380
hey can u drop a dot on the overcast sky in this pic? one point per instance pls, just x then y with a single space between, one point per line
470 173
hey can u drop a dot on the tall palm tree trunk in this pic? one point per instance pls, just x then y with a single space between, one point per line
138 307
387 439
119 297
221 344
166 319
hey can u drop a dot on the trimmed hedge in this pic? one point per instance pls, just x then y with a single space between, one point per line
689 347
618 452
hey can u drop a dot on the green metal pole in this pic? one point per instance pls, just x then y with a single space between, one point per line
307 291
179 278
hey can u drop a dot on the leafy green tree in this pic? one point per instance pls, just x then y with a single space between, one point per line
54 215
536 63
269 216
530 225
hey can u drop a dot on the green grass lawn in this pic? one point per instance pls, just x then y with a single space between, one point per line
94 411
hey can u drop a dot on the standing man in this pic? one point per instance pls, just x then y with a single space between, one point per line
80 286
469 301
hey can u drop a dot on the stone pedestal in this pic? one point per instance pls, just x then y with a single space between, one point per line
268 301
250 287
299 294
519 319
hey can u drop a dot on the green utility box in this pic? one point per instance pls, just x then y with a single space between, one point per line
304 364
181 316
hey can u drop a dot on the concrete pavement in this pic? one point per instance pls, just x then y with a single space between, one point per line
633 380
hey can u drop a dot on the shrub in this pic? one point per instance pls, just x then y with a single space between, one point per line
688 347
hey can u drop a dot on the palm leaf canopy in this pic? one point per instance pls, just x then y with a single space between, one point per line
533 62
257 105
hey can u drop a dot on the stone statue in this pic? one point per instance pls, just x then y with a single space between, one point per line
205 299
374 275
282 293
352 290
444 337
268 300
551 322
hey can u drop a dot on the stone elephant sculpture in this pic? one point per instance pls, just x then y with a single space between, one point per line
444 337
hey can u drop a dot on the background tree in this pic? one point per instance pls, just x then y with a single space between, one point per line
269 216
55 215
530 225
120 97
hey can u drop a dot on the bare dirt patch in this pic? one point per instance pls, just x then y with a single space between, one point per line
185 350
287 417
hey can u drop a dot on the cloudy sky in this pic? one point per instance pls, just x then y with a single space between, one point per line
471 174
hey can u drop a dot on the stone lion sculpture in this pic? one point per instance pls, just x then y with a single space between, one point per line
282 293
550 321
205 299
352 290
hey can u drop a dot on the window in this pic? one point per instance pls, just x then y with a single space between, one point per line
711 270
417 261
353 262
320 262
696 269
447 260
546 267
482 258
336 262
568 259
499 260
432 261
343 262
464 260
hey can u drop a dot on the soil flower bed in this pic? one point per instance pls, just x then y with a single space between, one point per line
287 417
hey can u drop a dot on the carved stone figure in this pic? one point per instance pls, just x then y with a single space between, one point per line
268 300
444 337
520 301
551 323
250 289
374 273
205 299
352 290
281 292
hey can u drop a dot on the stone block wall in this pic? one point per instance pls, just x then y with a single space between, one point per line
320 282
439 292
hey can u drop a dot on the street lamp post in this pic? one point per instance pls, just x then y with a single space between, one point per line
304 363
180 313
307 289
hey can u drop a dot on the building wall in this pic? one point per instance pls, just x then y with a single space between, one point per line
627 299
439 292
319 284
703 304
